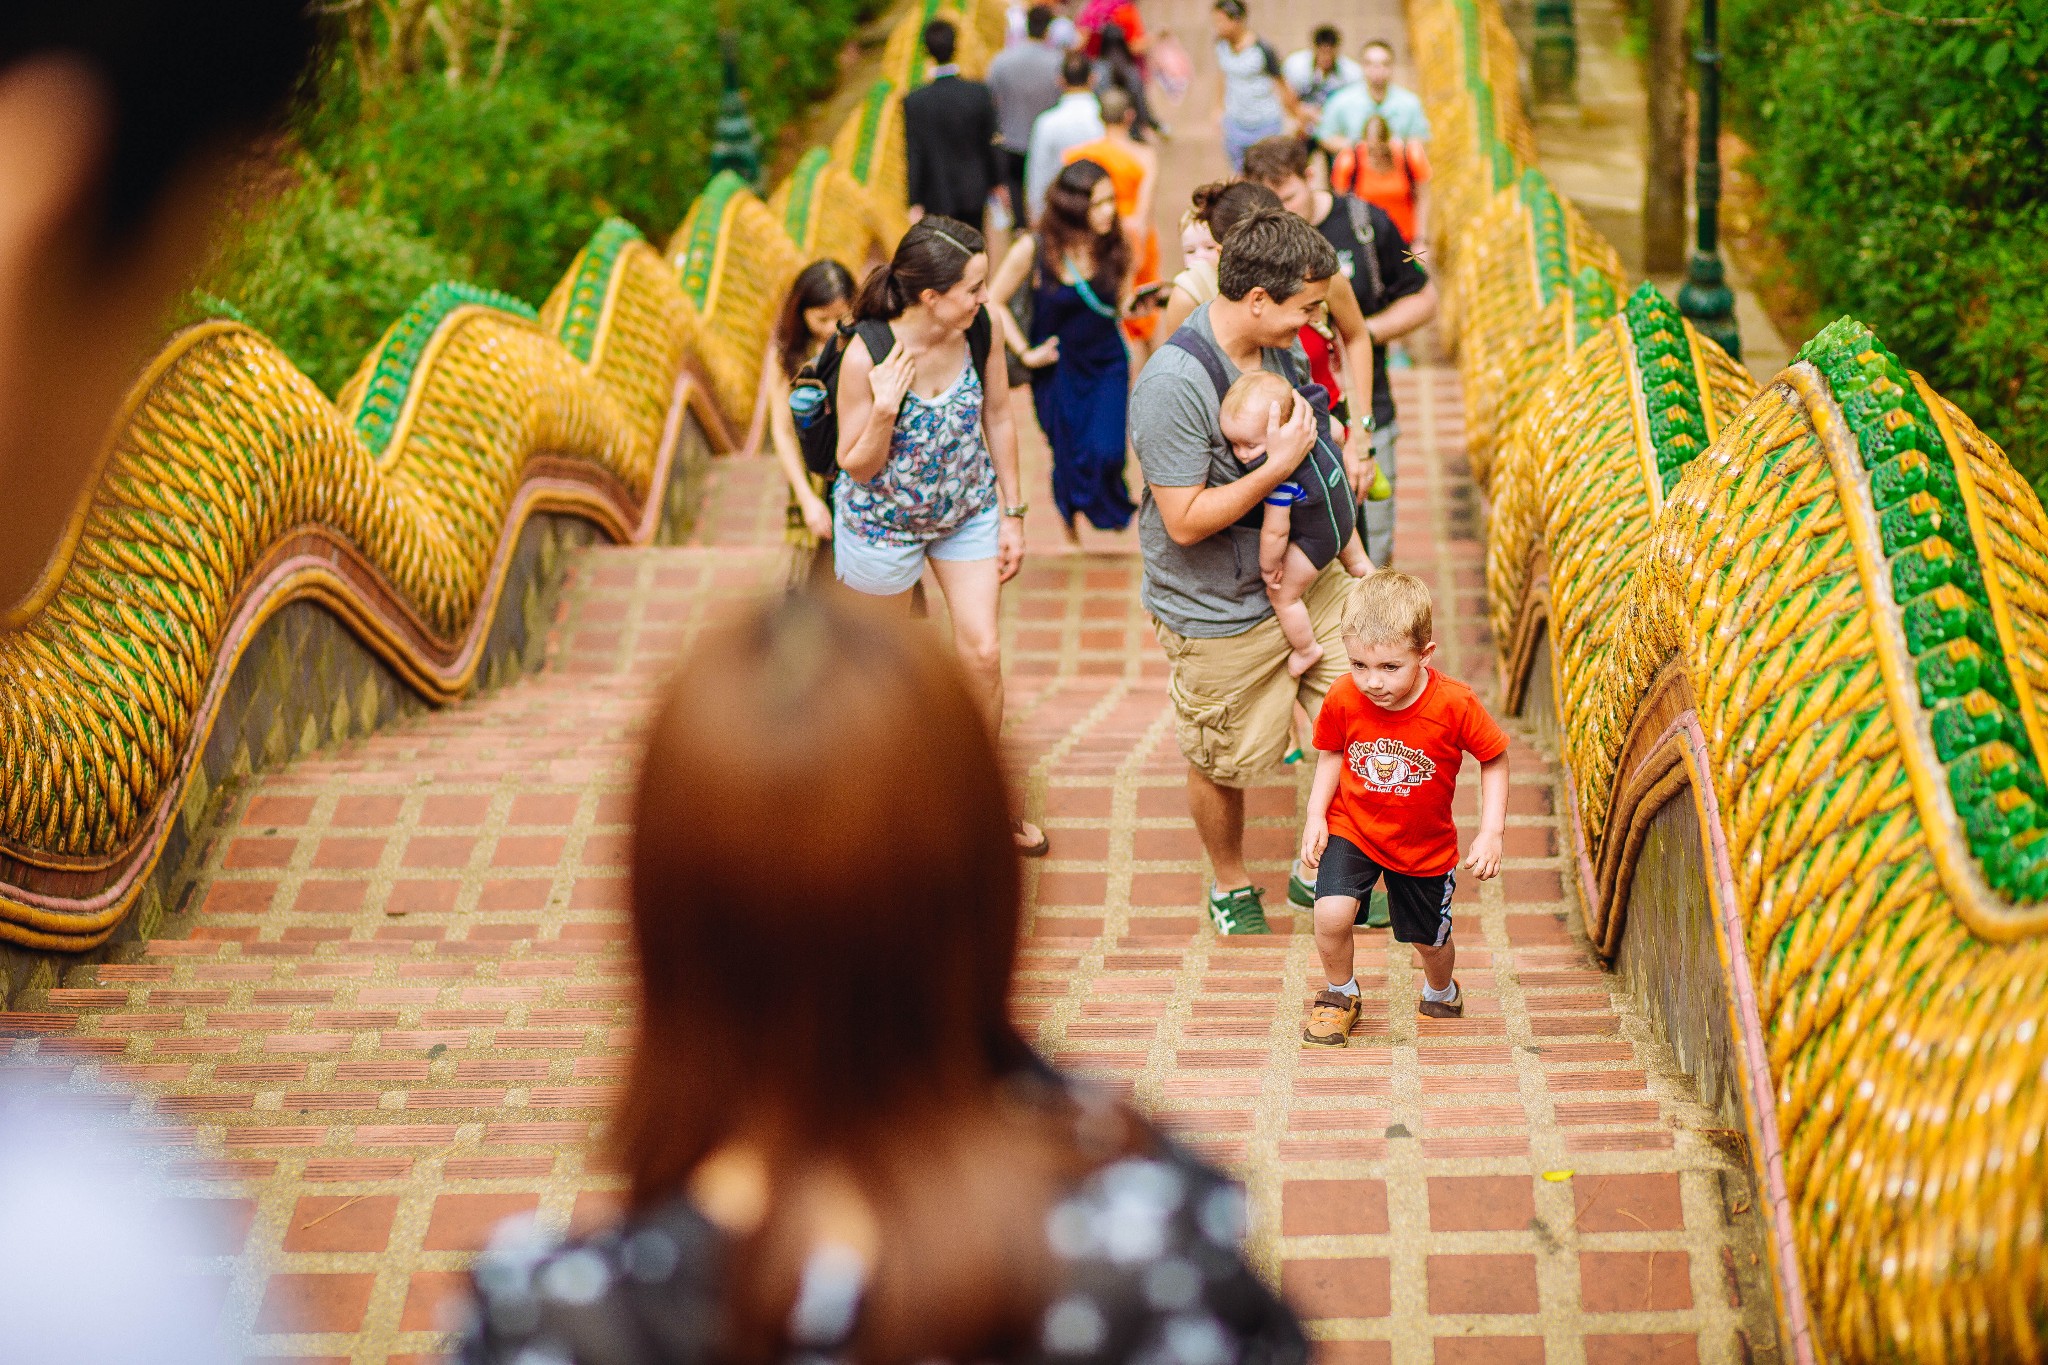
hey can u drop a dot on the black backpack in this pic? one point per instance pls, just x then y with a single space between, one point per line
1322 472
819 440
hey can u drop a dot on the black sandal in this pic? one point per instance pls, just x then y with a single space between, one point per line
1037 850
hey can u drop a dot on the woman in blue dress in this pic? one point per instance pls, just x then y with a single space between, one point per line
1078 264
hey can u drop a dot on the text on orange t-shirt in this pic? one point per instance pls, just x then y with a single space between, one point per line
1401 770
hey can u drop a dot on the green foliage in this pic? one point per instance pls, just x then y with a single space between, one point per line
513 182
1905 157
320 277
428 156
654 69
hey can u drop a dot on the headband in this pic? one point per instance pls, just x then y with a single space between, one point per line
947 237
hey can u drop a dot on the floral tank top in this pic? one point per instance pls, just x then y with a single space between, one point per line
938 476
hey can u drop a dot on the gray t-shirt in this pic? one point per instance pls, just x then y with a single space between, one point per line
1211 589
1025 81
1251 99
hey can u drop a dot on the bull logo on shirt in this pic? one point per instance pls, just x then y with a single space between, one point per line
1387 765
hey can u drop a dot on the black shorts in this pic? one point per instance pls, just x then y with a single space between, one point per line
1420 907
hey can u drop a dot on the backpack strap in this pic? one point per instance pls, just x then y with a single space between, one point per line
1294 374
980 341
1204 351
1368 241
881 339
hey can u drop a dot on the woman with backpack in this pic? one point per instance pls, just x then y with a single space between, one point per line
928 449
1078 265
819 300
1393 173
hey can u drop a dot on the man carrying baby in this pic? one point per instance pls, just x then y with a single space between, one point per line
1199 525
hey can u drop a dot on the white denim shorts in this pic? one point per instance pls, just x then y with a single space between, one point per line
886 570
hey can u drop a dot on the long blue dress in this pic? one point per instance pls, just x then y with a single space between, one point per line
1082 402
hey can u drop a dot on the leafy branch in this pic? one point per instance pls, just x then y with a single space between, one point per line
1936 20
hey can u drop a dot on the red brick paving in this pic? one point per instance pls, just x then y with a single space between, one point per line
393 1009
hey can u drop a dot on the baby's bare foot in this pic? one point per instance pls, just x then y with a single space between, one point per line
1301 661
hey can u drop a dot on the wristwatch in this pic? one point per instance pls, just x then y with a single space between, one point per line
1018 511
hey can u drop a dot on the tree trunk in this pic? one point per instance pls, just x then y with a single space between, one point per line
1664 175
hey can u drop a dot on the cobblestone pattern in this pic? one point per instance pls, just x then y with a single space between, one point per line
390 1010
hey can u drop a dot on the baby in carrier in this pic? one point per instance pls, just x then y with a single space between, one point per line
1310 519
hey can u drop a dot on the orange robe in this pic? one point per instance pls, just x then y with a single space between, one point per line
1127 176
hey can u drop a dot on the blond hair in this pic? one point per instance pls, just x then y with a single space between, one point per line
1389 607
1258 386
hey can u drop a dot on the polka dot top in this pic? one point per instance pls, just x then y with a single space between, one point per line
1147 1271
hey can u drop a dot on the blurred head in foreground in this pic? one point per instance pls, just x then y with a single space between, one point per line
97 1267
825 900
118 122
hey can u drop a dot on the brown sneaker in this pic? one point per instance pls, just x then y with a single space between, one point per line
1453 1008
1330 1019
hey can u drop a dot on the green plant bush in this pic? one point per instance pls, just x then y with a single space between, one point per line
320 277
430 157
1906 169
515 181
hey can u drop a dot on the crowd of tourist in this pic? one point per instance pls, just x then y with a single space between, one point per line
1300 273
886 1171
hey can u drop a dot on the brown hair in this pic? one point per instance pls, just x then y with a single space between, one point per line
1273 250
825 904
932 255
1235 201
1389 607
820 283
1204 198
1272 160
1063 231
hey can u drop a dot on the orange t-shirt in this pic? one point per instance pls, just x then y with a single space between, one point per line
1392 189
1401 770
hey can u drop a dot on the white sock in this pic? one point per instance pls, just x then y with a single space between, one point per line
1348 988
1441 997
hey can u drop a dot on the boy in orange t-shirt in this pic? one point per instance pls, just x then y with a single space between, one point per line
1389 739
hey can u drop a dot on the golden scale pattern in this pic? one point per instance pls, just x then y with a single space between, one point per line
1906 1051
1573 481
1512 339
232 486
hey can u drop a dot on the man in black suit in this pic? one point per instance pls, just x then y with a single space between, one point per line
949 130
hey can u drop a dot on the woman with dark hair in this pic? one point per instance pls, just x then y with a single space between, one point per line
885 1173
1078 262
928 449
819 300
1218 207
1117 68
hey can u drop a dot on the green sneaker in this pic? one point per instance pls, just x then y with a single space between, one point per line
1374 913
1300 892
1238 912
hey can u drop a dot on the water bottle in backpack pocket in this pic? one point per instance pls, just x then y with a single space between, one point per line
811 407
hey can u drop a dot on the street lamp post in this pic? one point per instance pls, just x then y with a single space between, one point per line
1554 53
735 142
1706 298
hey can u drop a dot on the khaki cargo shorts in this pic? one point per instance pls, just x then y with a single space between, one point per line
1233 703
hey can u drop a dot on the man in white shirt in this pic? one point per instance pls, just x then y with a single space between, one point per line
1076 119
1319 71
1345 114
1061 33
